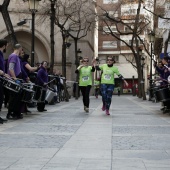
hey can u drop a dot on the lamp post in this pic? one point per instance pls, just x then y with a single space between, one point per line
142 82
142 65
151 37
77 62
33 6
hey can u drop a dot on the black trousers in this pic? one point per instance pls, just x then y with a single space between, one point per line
1 95
85 90
15 103
6 96
41 106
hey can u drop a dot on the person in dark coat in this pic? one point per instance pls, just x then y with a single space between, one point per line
42 80
3 46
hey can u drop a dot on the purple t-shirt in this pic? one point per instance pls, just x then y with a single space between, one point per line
13 58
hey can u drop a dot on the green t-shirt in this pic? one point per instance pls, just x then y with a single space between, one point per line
85 76
96 84
108 74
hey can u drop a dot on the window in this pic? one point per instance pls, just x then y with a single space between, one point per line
113 13
139 42
107 30
128 11
167 6
123 44
116 58
127 29
109 1
109 44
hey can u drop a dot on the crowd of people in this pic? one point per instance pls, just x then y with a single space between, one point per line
162 92
20 83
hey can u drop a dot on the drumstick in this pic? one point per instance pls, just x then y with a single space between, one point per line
50 81
51 89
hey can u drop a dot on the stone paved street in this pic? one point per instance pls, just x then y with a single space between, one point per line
136 136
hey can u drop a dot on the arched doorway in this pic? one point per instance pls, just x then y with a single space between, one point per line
24 38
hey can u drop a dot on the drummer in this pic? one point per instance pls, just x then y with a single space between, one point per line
164 71
14 70
26 66
164 74
42 80
25 69
3 46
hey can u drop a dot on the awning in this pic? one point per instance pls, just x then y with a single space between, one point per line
126 70
162 55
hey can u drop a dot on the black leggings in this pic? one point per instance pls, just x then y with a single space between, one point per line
85 90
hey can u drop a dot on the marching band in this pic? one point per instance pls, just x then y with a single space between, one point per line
16 86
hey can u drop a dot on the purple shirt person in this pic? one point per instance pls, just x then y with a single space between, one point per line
14 59
42 75
2 62
3 46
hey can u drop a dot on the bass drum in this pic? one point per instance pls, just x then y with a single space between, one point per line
163 94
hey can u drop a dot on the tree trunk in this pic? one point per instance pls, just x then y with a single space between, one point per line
77 64
64 58
8 23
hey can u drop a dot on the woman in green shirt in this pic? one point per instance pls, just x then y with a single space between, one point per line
85 81
107 82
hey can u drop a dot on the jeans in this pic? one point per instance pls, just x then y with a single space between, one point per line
107 92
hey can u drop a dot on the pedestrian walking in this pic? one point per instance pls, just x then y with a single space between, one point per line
85 80
118 90
97 87
107 82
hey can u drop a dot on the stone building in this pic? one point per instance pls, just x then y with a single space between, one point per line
19 10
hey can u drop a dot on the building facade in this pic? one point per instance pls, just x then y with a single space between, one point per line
110 46
18 11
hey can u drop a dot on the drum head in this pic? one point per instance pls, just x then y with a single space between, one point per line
168 79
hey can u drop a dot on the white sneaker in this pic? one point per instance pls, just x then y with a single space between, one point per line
87 110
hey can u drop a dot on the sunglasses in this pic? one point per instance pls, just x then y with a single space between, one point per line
86 61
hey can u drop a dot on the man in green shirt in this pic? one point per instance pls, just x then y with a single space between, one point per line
107 82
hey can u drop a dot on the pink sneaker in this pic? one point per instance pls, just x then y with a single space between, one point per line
107 112
103 108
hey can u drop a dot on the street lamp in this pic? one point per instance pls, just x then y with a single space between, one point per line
79 55
151 37
33 6
142 81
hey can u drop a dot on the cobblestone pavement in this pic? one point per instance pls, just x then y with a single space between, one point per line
136 136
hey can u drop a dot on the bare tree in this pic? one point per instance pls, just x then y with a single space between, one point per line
7 20
135 23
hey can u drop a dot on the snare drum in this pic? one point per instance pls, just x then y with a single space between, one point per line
27 95
163 94
40 93
49 96
11 85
